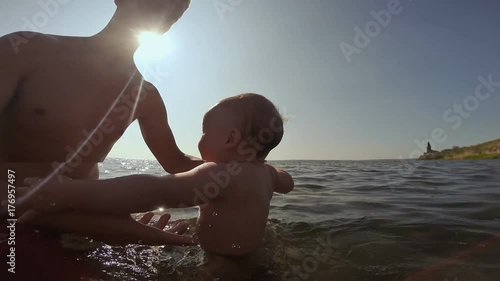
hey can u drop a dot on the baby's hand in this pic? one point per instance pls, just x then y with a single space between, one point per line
283 182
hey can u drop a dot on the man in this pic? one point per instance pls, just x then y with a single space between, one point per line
57 91
65 101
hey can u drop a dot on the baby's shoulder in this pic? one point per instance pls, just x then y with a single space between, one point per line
236 172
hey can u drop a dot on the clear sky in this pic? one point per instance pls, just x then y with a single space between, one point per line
397 88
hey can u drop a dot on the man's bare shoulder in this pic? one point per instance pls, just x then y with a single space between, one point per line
27 43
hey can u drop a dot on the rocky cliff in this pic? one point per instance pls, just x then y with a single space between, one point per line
488 150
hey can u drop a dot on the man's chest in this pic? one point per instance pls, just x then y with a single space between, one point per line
74 98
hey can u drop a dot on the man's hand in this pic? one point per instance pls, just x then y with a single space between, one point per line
119 229
164 221
146 221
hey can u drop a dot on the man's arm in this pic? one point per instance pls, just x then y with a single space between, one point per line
10 72
159 137
113 229
131 194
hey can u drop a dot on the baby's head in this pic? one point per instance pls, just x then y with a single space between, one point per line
243 128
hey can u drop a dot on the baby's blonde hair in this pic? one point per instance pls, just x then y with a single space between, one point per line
260 121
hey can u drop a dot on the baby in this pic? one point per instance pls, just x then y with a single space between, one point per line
233 188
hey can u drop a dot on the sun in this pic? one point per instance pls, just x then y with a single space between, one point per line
153 46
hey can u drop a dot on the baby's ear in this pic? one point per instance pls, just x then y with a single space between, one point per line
233 138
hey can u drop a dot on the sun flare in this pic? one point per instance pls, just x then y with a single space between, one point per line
153 46
148 38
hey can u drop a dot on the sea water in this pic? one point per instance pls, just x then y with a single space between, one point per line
350 220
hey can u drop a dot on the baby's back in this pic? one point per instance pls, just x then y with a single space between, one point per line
234 222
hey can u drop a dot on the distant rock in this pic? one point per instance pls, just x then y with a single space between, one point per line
488 150
436 155
431 154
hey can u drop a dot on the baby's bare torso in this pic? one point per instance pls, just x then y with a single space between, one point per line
235 223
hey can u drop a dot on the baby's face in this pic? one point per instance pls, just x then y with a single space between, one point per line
214 135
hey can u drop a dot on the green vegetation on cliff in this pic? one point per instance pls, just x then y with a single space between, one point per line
488 150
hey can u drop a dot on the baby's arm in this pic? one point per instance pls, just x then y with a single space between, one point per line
283 182
130 194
